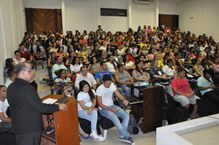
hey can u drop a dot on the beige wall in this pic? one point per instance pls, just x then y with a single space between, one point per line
12 28
200 16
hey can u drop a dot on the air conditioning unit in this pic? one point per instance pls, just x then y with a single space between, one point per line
144 1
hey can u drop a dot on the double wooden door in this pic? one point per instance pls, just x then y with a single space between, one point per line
39 20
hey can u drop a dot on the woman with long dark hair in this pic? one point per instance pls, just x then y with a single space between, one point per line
86 107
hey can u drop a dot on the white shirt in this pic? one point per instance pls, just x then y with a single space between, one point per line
3 107
56 67
89 78
106 94
202 82
167 70
129 64
75 68
82 96
111 67
16 61
8 82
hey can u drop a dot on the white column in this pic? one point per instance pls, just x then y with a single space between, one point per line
156 6
63 16
130 14
98 13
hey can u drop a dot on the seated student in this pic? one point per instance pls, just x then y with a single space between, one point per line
17 59
109 110
11 76
76 65
139 74
124 80
183 93
57 66
67 83
198 69
9 64
86 107
168 69
95 65
111 64
207 86
99 75
85 75
158 77
5 121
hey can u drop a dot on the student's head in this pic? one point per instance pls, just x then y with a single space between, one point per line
9 63
103 65
11 74
17 53
24 71
181 72
83 70
120 67
84 86
3 92
170 62
59 59
62 73
139 64
106 80
208 73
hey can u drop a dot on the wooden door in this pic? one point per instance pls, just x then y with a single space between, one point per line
39 20
169 20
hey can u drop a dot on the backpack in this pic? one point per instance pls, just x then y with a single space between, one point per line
132 126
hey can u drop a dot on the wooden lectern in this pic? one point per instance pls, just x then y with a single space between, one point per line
66 125
150 109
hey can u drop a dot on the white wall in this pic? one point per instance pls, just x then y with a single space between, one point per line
12 28
85 14
44 4
168 8
143 14
200 16
80 15
114 23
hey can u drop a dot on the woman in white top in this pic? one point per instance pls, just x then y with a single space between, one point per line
76 65
18 57
64 83
111 64
86 107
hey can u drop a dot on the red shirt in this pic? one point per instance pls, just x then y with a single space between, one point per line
181 85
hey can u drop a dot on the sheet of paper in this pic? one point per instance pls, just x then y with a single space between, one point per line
49 101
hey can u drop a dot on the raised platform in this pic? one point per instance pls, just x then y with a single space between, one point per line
193 132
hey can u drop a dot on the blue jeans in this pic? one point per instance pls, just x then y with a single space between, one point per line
113 116
92 117
124 90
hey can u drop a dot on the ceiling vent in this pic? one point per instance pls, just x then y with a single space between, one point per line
144 1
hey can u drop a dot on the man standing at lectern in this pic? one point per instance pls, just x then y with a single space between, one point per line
27 108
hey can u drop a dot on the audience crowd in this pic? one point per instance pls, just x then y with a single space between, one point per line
151 55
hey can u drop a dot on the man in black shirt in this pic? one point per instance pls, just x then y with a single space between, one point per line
27 108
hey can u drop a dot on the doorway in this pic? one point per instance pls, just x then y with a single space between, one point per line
169 20
39 20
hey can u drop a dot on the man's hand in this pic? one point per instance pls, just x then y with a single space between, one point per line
125 102
62 107
89 110
212 86
114 109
